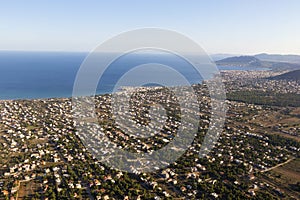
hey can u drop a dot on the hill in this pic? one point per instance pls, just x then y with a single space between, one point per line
252 61
292 75
240 61
220 56
278 58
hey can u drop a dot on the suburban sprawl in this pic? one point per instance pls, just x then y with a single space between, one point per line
257 155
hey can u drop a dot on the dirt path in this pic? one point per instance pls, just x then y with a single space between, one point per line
280 164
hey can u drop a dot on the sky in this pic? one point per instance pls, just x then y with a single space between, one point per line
218 26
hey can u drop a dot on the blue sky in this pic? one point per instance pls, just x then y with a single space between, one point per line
224 26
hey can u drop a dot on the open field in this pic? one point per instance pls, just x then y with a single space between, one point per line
278 120
27 189
285 177
290 172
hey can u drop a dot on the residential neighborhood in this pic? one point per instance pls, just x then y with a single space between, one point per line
43 157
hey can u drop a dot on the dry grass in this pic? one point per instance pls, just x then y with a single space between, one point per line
290 172
27 189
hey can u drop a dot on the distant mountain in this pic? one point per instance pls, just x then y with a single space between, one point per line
292 75
221 56
278 58
245 61
279 66
252 61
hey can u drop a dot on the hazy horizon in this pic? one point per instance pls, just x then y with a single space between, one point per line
231 27
87 52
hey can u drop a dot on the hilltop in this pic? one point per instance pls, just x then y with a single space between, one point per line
253 61
278 58
240 61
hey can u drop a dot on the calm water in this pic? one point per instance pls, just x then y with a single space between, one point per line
27 75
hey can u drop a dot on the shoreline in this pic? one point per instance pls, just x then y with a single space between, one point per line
225 74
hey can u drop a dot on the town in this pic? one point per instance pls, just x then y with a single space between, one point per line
43 157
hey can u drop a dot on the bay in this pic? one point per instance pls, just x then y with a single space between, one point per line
34 75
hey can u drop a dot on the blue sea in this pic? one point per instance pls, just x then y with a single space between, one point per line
32 75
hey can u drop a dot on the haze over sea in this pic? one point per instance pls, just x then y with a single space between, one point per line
33 75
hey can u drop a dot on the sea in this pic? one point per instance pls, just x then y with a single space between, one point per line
36 75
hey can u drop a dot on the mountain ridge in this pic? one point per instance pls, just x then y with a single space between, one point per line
290 58
254 62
